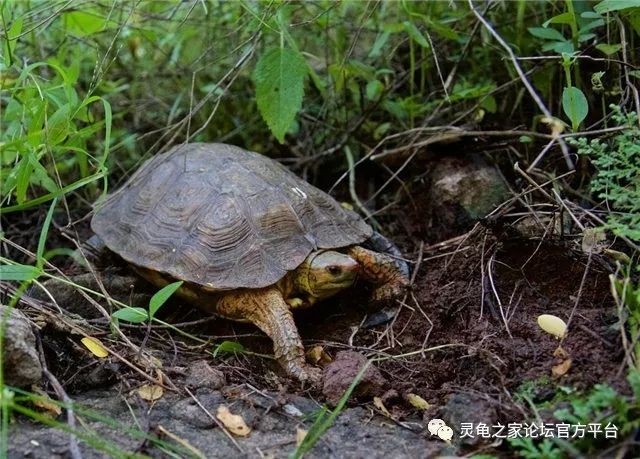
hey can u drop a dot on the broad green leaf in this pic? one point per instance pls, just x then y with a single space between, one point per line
415 34
18 272
592 25
279 77
381 40
586 37
81 23
489 104
634 19
374 89
23 177
574 105
608 49
228 347
564 18
34 132
161 297
606 6
58 125
546 32
129 314
559 47
41 176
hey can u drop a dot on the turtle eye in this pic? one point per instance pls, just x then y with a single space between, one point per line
334 270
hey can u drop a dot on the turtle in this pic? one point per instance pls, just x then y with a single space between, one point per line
250 240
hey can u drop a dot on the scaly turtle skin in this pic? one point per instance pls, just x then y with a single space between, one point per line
249 238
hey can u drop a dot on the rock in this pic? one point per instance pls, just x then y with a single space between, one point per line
188 411
201 374
464 190
467 408
340 373
20 358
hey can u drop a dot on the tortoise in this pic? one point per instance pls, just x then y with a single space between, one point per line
250 240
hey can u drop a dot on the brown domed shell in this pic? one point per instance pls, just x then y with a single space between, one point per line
223 217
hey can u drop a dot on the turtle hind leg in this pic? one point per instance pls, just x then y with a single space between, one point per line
390 279
267 309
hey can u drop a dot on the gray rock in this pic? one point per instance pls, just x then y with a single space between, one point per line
464 190
340 373
463 407
20 357
201 374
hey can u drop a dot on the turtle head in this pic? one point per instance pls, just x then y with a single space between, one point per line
325 273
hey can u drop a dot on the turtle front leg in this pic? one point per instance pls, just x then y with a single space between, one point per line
267 309
383 271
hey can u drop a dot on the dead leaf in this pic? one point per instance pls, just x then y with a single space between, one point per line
561 369
593 240
556 125
317 355
560 353
149 362
47 404
300 436
196 452
418 402
233 422
95 346
618 256
151 392
377 402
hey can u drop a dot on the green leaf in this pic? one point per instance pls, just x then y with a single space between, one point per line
591 25
381 40
575 105
415 34
559 47
23 176
58 125
10 40
489 104
18 272
43 235
606 6
633 17
228 347
279 77
564 18
129 314
81 23
608 49
374 89
41 176
161 297
442 29
546 33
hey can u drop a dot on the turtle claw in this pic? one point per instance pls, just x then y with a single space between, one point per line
303 372
389 292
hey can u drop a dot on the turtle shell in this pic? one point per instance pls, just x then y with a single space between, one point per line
222 217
